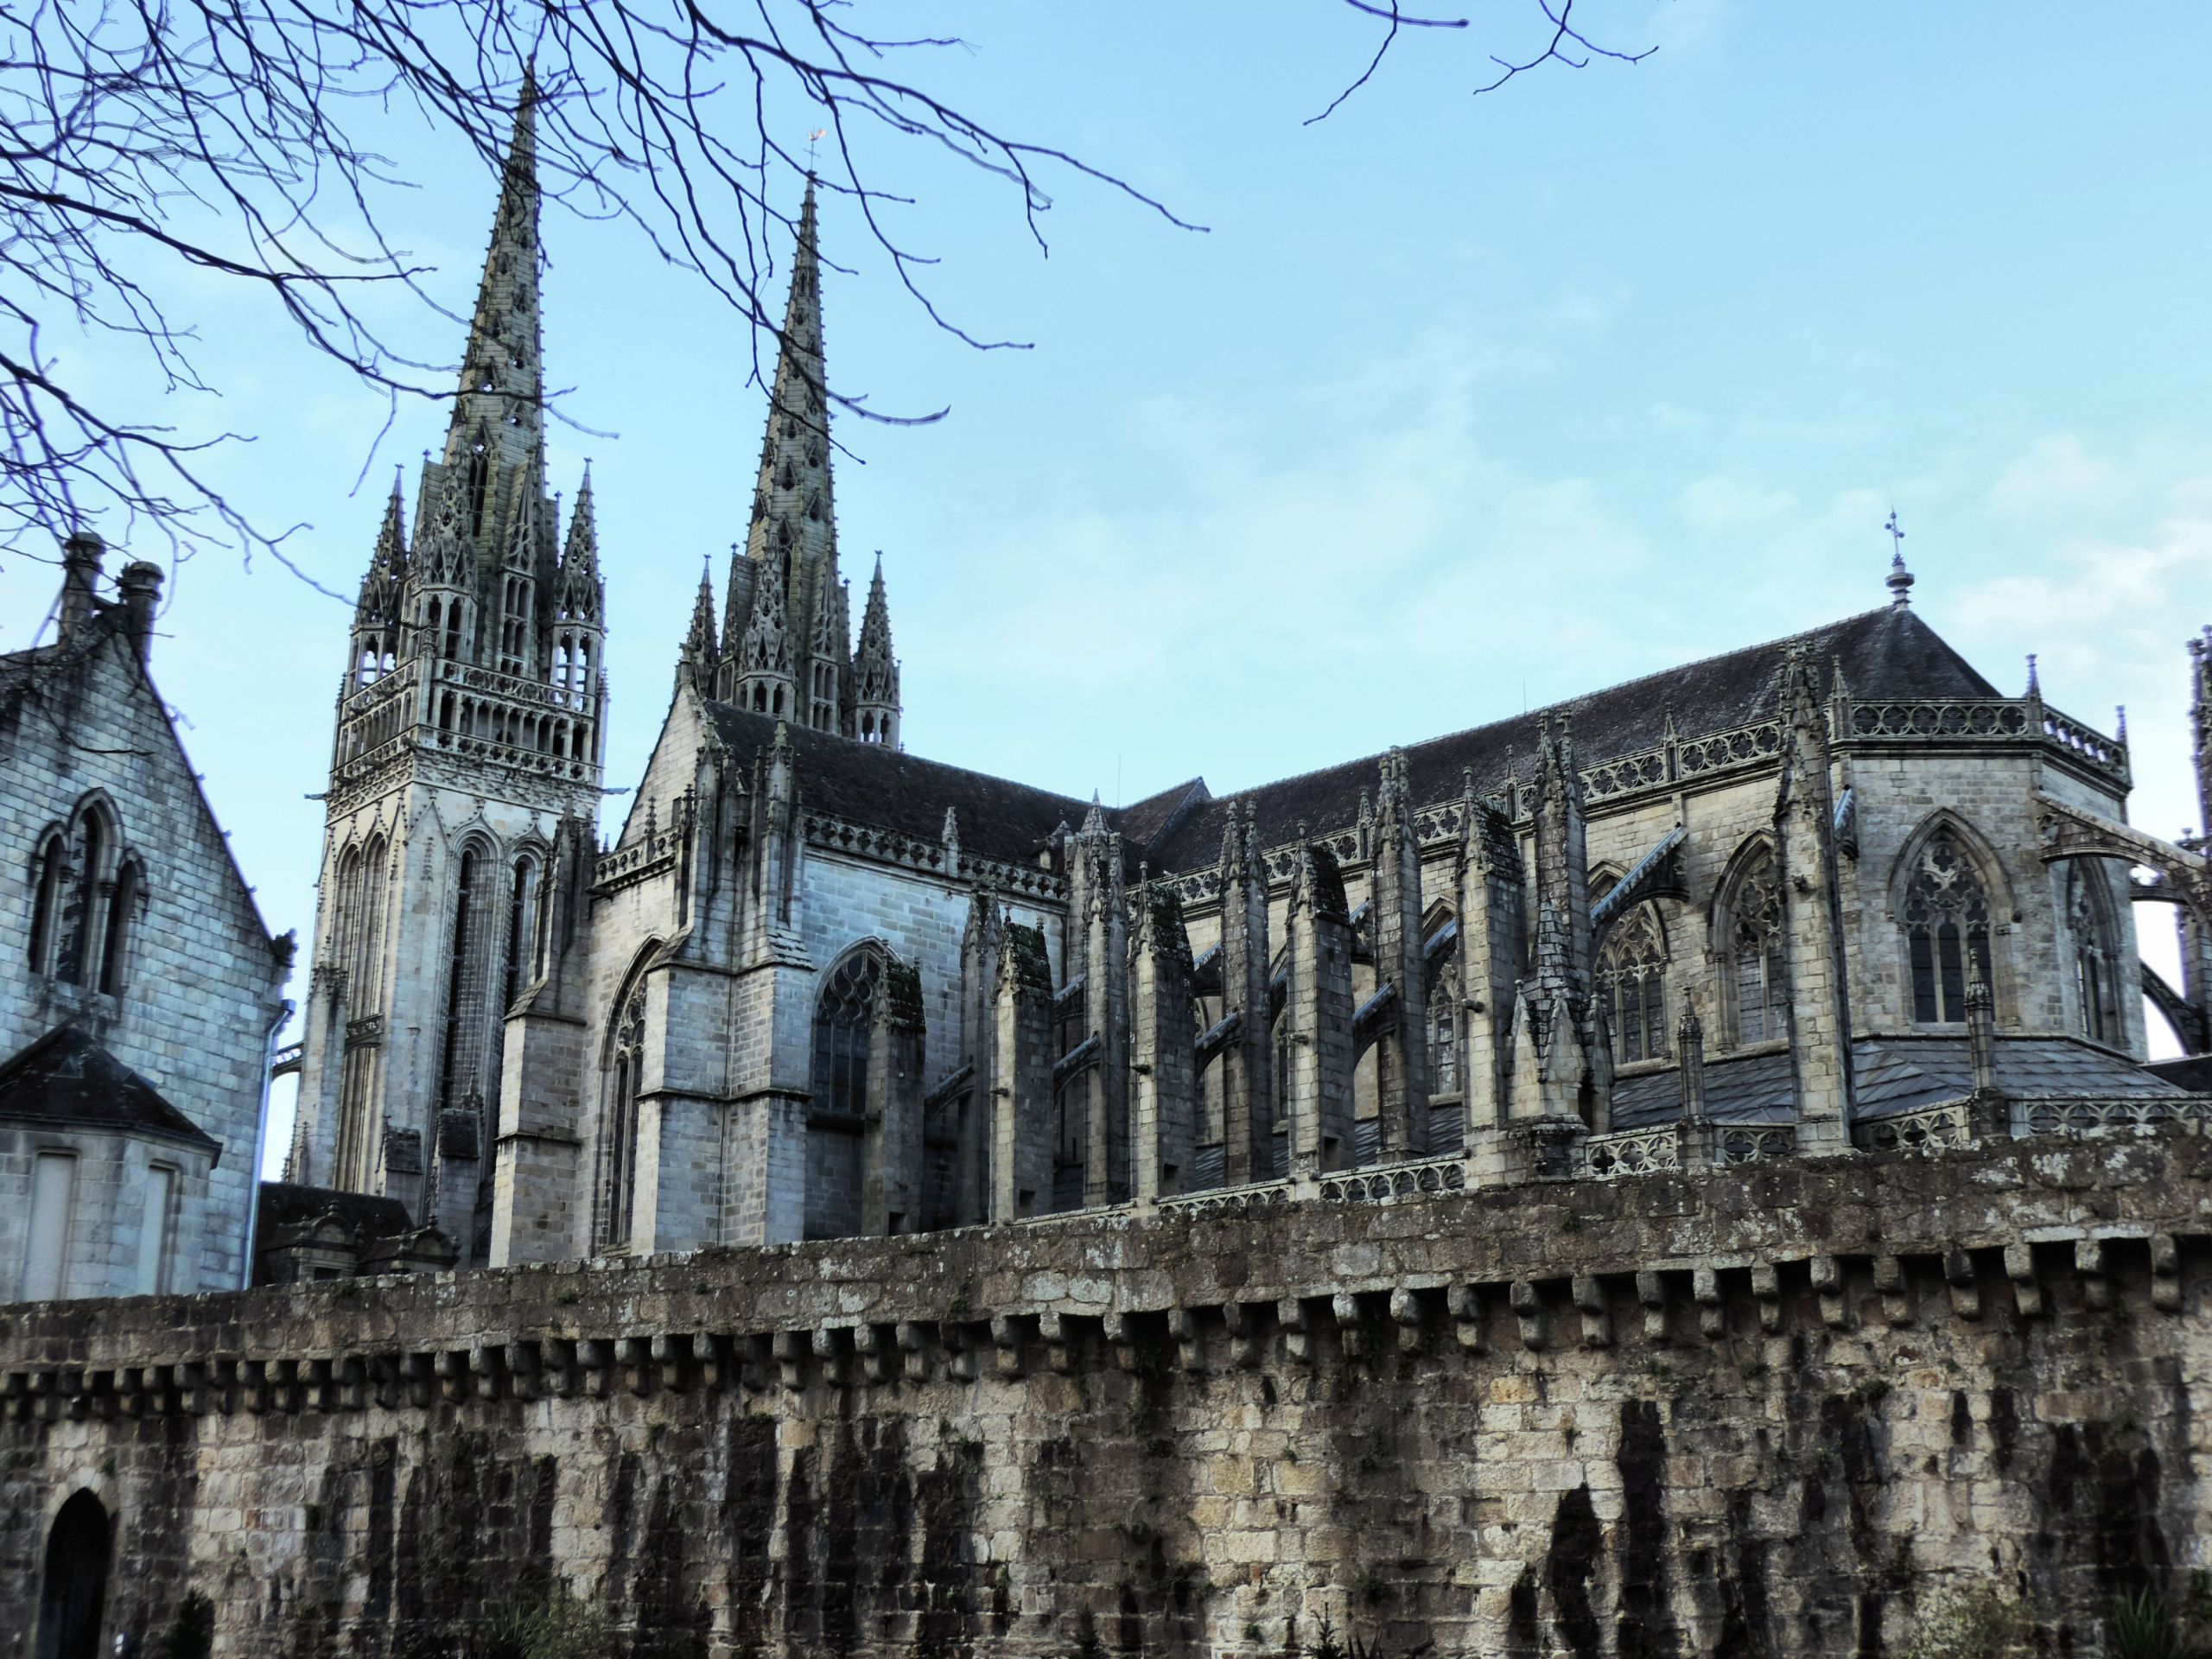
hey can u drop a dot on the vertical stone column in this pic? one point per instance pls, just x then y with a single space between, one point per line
1820 1006
1698 1141
1563 1072
1103 925
1319 1010
891 1197
980 947
1399 958
1021 1083
540 1176
1163 1072
2195 930
1487 883
1248 1072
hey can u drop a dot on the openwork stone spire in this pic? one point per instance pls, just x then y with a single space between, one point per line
875 670
794 525
502 397
583 596
699 651
387 572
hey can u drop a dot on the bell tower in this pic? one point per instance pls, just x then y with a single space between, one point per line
469 730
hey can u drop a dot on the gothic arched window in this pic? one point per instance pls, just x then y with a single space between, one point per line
69 913
619 1125
1947 931
1756 974
2096 973
467 987
50 871
843 1022
480 478
1444 1034
1632 981
522 931
122 911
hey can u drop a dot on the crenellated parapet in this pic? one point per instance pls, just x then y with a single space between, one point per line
1999 1234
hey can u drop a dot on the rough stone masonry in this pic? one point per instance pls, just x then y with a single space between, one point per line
1764 1411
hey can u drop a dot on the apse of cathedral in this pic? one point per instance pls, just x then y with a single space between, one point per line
1833 892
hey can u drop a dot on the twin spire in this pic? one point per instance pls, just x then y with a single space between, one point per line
507 597
486 542
785 640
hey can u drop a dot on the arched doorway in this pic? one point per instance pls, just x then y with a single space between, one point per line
73 1592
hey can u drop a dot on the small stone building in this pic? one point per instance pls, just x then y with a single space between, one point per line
139 989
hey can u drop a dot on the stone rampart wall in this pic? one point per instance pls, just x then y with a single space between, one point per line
1759 1411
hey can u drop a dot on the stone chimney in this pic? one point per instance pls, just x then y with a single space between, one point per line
80 576
140 584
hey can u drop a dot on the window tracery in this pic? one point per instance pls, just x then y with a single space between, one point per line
844 1021
1632 981
1945 916
1756 978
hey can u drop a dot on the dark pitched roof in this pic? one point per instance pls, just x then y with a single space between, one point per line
2192 1072
66 1077
1892 1075
283 1203
874 784
1889 653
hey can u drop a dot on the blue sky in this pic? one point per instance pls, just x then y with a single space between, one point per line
1460 401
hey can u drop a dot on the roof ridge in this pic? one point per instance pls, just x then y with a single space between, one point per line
1775 644
801 734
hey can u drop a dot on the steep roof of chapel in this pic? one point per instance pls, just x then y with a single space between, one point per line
1887 652
874 784
66 1077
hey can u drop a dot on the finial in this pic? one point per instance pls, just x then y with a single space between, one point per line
1900 582
2121 735
2035 683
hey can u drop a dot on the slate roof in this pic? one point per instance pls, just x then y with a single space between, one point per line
1888 653
66 1077
284 1204
2193 1073
874 784
1893 1075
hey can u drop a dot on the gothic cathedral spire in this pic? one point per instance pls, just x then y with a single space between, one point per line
468 743
799 602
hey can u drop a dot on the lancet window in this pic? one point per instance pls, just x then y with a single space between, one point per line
1757 977
1947 930
74 916
467 987
2096 978
618 1153
844 1022
1443 1033
1632 981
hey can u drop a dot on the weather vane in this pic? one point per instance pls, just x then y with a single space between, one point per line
1897 535
814 137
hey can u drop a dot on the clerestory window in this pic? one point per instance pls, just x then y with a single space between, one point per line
1947 931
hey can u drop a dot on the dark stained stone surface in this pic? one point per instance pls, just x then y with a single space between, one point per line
66 1077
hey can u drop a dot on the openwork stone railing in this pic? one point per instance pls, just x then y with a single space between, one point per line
1381 1183
1929 1130
1754 1143
1231 1200
1637 1152
2095 1115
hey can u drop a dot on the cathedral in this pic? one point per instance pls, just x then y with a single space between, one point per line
1830 894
